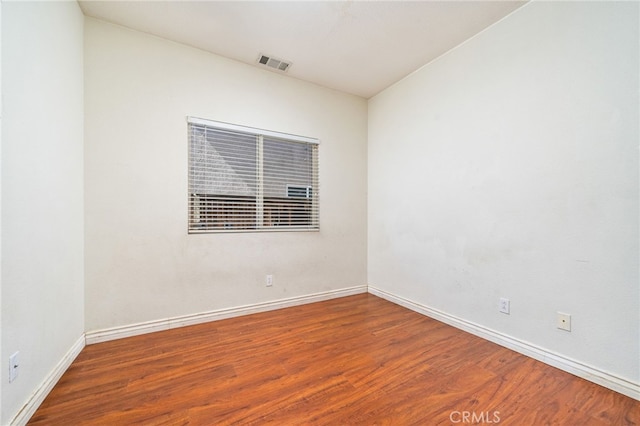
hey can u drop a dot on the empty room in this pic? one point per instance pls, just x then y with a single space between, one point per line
320 212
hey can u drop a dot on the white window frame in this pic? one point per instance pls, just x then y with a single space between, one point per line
195 209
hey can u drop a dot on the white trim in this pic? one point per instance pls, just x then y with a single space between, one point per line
251 130
49 382
185 320
587 372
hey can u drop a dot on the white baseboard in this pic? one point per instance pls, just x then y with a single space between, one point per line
49 382
185 320
592 374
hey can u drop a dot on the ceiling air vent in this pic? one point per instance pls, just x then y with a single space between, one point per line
274 63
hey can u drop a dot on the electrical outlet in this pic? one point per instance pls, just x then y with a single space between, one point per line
269 280
564 321
13 367
504 306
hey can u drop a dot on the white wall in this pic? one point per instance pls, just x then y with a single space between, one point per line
1 201
509 168
140 263
42 192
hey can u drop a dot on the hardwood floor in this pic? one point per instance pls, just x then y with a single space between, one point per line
354 360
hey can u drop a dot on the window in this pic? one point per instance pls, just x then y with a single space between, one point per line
245 179
299 191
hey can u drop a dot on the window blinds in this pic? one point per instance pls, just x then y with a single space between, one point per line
245 179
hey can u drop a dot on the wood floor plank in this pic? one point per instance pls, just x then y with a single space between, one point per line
358 360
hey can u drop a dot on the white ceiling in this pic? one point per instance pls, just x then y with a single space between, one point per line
358 47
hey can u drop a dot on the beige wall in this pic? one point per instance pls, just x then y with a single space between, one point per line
509 168
140 263
42 192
